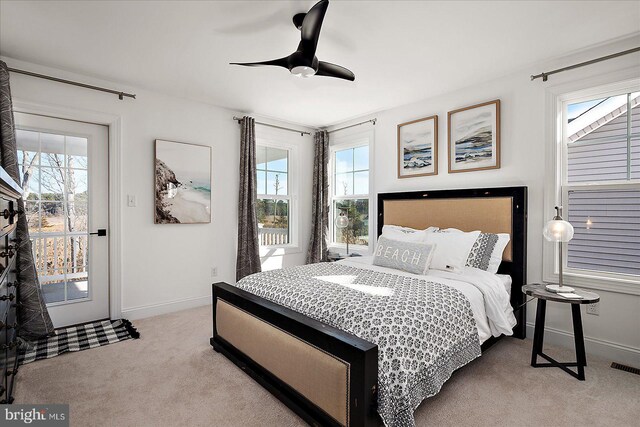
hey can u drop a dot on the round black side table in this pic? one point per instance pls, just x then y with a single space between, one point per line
537 290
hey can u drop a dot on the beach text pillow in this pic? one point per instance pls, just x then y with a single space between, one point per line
412 257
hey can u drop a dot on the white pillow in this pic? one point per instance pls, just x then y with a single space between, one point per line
486 253
452 249
498 251
405 234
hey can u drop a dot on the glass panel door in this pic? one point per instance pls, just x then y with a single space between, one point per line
54 172
63 166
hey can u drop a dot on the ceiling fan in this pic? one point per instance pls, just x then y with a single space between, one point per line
303 62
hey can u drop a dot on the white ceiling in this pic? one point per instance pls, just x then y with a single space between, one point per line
400 51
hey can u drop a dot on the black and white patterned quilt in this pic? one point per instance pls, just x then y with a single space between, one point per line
424 330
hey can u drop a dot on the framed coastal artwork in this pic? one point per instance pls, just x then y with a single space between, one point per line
182 183
474 137
418 148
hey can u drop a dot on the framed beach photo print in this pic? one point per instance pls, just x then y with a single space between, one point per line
474 137
182 183
418 148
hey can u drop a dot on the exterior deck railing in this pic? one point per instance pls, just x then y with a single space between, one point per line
53 263
273 236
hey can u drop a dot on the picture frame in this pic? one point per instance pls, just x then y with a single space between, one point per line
473 139
182 183
418 148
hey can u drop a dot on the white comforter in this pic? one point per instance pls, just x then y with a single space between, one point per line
485 291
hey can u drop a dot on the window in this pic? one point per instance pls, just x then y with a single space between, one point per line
600 184
54 170
274 197
350 193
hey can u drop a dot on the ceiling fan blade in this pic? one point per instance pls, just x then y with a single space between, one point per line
311 26
332 70
282 62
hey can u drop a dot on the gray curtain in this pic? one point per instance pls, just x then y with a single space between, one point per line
248 258
34 317
320 209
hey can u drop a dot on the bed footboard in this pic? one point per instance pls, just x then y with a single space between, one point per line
325 375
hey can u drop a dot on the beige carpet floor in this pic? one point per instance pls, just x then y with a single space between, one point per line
172 377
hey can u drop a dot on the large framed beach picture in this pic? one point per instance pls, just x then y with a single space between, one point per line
183 183
474 137
418 148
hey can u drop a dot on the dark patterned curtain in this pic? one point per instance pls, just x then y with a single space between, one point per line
320 210
248 258
32 311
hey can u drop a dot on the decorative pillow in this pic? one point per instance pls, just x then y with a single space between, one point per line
405 234
411 257
486 253
452 249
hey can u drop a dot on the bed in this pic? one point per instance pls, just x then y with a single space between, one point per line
318 337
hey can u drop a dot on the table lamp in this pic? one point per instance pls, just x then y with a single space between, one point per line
560 231
342 222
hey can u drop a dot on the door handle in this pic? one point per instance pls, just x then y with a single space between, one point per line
100 232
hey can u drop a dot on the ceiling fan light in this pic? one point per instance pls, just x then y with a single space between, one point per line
303 71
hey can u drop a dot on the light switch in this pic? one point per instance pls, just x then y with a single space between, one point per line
131 201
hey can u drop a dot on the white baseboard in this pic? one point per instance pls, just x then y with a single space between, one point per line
604 349
142 311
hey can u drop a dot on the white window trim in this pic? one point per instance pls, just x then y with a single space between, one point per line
342 142
293 169
557 97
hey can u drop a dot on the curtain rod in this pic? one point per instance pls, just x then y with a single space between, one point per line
354 125
301 132
546 75
120 94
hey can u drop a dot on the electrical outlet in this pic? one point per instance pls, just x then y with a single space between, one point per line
214 271
131 201
593 309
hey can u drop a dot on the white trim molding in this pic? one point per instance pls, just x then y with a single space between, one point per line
556 96
150 310
280 139
608 350
116 275
342 140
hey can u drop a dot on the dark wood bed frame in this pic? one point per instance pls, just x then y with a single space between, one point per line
361 354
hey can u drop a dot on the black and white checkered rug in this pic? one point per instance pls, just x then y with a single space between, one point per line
78 338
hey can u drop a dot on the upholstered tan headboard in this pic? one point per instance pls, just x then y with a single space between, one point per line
488 214
492 210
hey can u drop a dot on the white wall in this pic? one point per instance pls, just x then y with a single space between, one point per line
168 267
614 333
